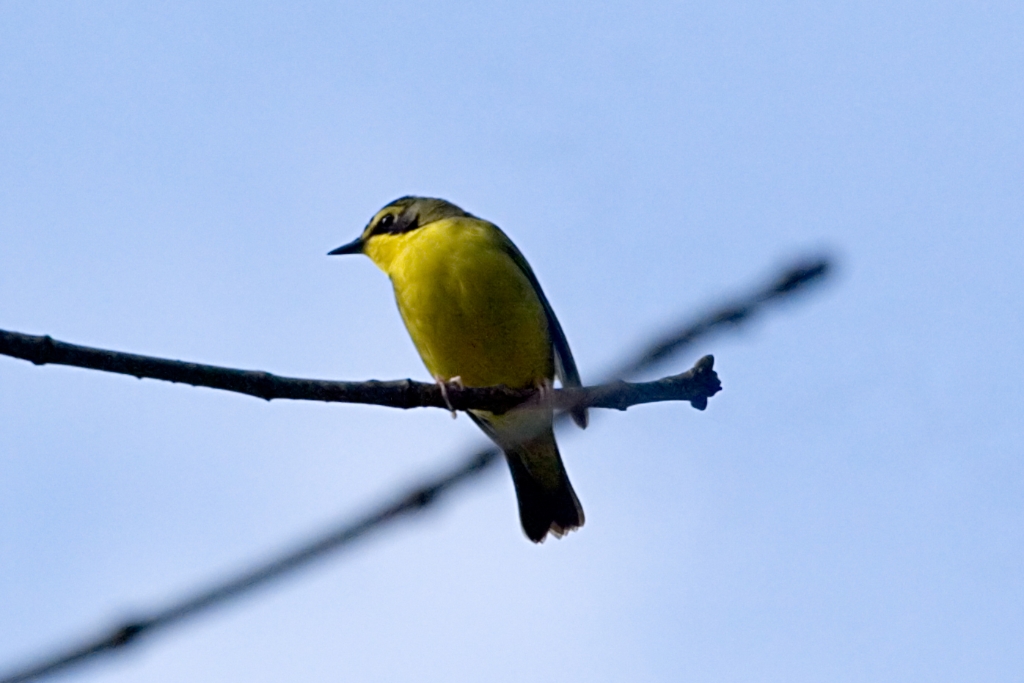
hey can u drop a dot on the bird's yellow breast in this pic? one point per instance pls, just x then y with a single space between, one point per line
470 310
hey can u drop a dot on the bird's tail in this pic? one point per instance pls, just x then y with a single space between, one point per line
546 499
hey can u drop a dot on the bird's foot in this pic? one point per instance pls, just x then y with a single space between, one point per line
545 391
455 382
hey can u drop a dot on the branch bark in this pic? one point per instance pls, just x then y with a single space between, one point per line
695 385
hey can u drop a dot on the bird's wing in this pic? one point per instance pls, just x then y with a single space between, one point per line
565 366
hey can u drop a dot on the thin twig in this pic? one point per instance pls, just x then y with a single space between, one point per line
417 499
406 393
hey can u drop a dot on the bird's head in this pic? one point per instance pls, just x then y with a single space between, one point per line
390 228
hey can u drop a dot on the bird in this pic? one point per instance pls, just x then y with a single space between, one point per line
478 317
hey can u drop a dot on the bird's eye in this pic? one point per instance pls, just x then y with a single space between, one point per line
386 222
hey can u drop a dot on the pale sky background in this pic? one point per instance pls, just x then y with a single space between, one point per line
849 508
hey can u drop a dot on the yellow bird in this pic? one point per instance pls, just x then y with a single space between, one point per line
477 316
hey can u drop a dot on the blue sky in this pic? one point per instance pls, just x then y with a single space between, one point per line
850 508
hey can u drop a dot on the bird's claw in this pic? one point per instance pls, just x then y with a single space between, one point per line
545 391
443 386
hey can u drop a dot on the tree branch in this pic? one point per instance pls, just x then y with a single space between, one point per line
695 386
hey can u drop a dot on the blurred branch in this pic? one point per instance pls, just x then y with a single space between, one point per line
342 535
416 499
790 281
696 386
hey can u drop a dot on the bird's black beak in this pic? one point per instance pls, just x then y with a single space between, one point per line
353 247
